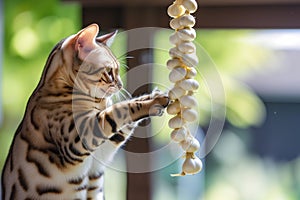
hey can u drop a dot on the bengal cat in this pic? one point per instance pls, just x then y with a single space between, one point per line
70 124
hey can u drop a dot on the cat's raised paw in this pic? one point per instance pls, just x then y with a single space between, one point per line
160 102
156 110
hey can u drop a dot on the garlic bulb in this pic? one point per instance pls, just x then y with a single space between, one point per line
174 39
176 93
187 47
182 72
189 84
187 34
175 24
189 115
190 60
174 62
174 108
190 5
191 72
176 122
188 101
186 21
190 145
177 74
179 134
191 165
175 10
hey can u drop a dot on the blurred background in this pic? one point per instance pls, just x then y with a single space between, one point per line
255 48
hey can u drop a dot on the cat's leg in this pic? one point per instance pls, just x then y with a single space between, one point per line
119 115
144 97
96 127
101 159
95 188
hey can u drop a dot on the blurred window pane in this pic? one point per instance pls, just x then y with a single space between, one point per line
260 74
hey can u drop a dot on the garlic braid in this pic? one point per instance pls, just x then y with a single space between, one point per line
182 65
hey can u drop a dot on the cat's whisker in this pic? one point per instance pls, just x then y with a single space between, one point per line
125 97
128 95
124 56
123 60
129 57
125 65
116 97
121 96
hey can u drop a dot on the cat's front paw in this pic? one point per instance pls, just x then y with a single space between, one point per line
160 102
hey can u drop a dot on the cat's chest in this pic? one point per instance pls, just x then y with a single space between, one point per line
98 159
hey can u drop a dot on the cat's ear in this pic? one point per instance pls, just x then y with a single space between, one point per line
86 40
108 38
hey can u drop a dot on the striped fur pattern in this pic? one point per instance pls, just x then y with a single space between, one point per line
70 125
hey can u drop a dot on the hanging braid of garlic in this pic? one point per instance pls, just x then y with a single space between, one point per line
182 65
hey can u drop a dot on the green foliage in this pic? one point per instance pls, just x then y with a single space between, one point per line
232 56
32 28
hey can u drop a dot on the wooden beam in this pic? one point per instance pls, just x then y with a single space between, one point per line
262 17
139 185
106 18
164 3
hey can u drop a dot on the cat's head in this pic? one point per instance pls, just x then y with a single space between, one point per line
94 67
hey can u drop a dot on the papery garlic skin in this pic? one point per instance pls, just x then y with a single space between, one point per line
191 72
189 84
187 47
174 39
188 101
175 24
179 135
176 92
192 165
190 5
190 145
174 62
187 34
175 10
177 74
174 108
176 122
186 21
189 115
190 60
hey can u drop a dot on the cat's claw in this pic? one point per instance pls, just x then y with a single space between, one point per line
156 92
156 110
161 101
160 98
153 95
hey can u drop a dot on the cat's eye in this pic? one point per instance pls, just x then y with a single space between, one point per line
108 70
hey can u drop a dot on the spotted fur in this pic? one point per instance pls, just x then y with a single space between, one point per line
70 124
